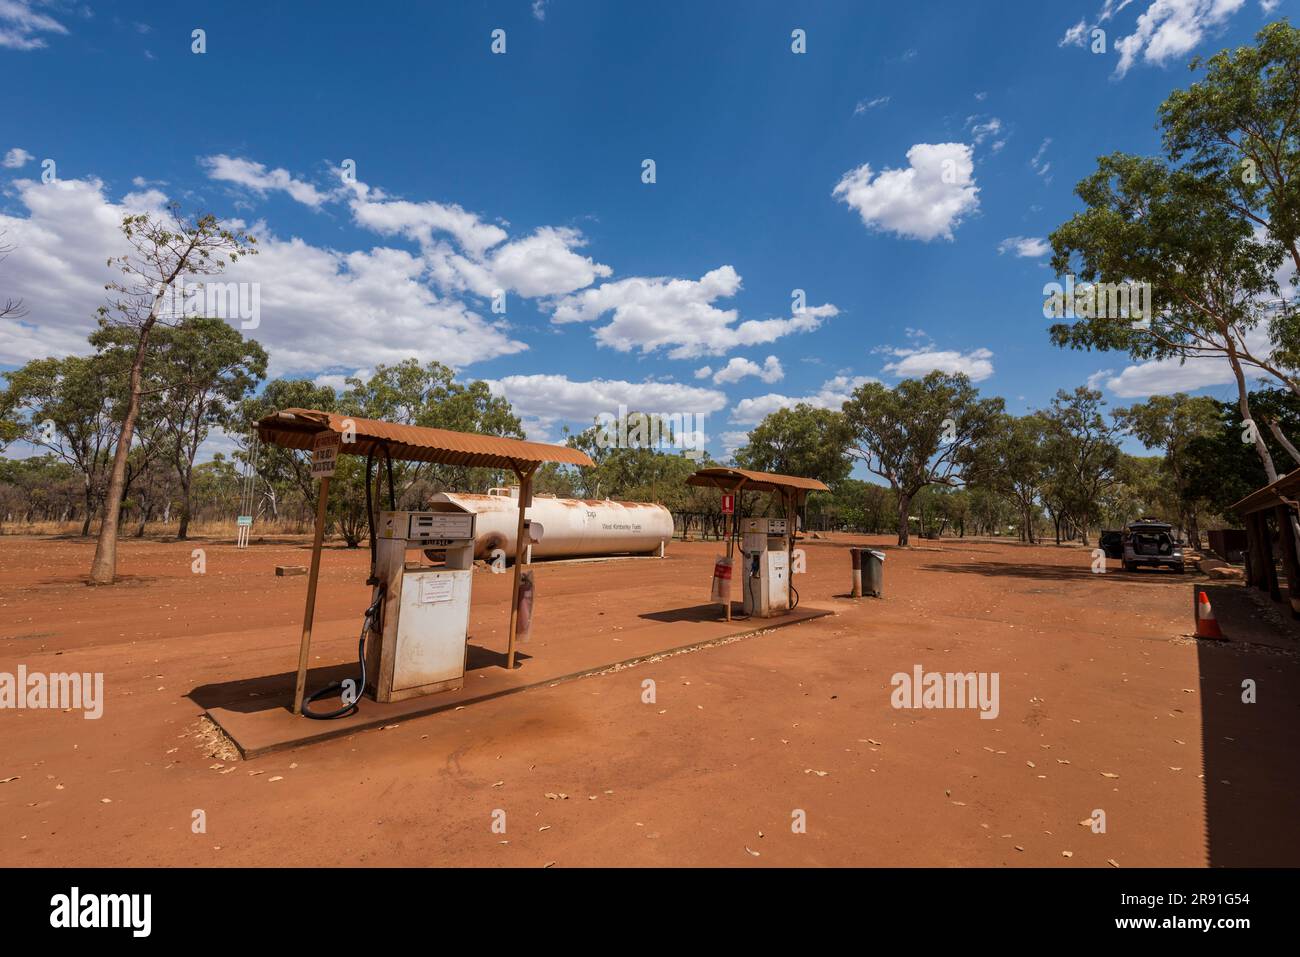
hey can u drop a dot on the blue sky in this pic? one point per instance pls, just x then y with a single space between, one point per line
523 172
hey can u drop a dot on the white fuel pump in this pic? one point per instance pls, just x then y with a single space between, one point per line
417 644
765 567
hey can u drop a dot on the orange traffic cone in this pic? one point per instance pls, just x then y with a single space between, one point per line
1207 626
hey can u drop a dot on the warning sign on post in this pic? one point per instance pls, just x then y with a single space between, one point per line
728 504
324 454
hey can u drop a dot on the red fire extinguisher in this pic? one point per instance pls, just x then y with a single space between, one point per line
721 592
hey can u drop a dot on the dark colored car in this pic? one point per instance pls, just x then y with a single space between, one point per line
1112 543
1153 543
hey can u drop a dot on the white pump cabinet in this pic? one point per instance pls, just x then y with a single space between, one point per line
765 567
424 623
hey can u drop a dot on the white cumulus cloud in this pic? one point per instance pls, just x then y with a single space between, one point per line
319 307
916 362
832 395
738 368
16 158
678 315
1026 247
544 401
926 200
259 179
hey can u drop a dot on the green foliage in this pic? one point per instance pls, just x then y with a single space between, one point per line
1221 466
921 432
431 396
1082 456
800 441
642 471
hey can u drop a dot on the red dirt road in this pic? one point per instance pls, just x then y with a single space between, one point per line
1103 706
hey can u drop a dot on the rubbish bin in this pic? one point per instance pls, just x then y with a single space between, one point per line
868 572
873 573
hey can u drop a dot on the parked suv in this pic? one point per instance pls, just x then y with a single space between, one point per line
1149 542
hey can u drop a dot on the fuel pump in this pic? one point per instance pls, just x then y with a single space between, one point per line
765 567
418 640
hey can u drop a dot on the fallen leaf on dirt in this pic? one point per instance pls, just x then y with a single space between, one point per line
7 780
820 774
1067 853
1112 862
278 777
1031 764
754 853
1107 774
105 800
499 784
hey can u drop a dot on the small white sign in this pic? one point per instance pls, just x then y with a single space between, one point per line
324 454
436 588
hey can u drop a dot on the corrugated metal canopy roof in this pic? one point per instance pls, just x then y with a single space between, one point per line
730 478
1270 496
298 428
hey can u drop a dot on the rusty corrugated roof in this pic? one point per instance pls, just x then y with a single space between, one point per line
297 429
729 478
1270 496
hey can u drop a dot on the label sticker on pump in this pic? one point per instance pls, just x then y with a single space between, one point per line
436 588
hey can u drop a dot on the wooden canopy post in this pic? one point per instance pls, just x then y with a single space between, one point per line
525 494
309 613
791 499
733 525
1290 562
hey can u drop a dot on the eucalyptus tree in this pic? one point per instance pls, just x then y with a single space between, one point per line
165 250
921 432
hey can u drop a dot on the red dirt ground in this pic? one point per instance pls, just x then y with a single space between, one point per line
1105 704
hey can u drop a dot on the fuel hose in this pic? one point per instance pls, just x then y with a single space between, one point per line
371 616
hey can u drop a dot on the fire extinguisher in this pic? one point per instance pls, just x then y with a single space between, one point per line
721 592
524 616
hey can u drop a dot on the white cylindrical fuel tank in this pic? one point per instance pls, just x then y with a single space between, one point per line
572 527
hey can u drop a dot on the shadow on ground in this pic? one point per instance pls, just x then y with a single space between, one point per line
1251 751
1081 572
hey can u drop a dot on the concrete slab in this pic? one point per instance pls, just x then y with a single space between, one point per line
256 712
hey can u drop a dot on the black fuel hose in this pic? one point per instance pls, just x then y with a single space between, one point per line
348 707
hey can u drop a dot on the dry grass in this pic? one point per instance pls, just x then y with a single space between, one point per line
224 528
213 741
